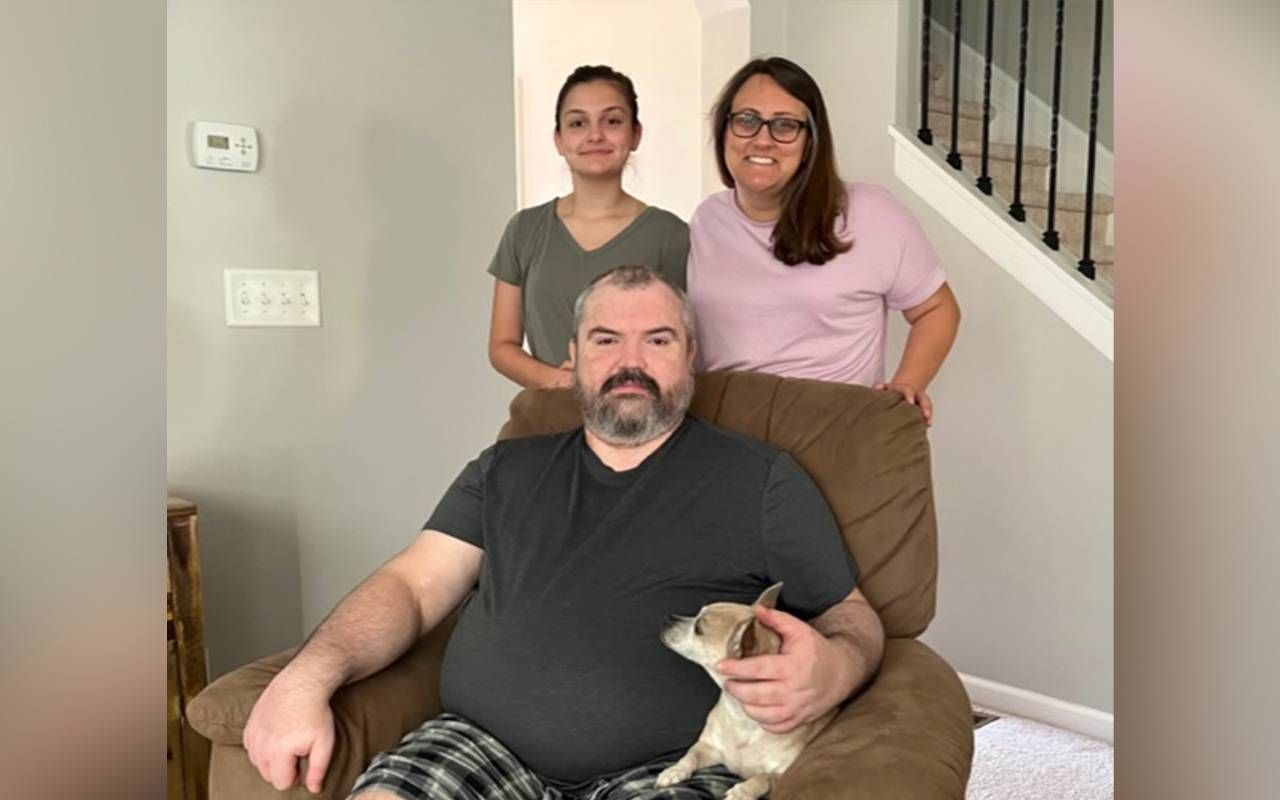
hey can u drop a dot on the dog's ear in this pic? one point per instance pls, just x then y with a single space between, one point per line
752 637
769 597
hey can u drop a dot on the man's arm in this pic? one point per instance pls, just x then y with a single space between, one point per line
369 629
820 665
854 626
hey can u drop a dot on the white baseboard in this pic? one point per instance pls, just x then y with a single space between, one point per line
1041 708
1045 273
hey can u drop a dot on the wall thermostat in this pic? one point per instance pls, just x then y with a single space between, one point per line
218 145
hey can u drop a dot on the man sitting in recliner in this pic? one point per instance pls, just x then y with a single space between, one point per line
578 546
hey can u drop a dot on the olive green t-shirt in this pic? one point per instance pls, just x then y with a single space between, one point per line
538 254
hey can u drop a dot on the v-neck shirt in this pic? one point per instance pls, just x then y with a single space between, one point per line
539 254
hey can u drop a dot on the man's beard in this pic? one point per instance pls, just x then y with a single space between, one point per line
631 420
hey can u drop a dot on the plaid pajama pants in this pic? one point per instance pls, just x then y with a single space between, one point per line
450 758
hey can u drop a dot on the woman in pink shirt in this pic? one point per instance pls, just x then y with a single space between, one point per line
791 270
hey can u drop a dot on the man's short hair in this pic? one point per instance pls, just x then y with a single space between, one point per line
634 276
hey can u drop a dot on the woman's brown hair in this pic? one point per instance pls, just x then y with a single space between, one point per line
815 196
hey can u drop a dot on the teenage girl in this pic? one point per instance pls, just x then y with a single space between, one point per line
549 252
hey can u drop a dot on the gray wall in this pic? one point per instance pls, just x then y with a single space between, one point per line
387 139
768 28
1022 443
1077 49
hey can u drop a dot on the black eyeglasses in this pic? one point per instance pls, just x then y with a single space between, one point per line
782 130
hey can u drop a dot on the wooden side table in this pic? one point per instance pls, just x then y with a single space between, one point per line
188 764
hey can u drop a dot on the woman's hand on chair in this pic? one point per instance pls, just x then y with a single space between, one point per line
912 396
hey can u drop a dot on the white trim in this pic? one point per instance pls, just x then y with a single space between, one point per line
1073 141
1006 699
1045 273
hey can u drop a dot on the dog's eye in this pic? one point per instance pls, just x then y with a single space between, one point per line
697 627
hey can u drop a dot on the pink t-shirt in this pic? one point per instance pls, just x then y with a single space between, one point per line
827 322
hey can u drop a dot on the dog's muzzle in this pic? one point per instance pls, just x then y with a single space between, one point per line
672 629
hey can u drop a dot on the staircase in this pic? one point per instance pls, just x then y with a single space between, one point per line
1069 213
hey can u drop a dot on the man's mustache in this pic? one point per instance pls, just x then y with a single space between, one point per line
629 375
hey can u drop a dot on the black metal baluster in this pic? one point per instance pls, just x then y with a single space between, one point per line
1050 234
1016 210
984 180
1086 265
924 134
953 157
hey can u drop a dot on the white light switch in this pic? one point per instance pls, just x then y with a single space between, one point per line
272 297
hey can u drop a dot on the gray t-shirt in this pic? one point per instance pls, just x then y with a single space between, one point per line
557 651
538 254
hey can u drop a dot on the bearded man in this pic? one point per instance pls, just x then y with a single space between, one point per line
567 553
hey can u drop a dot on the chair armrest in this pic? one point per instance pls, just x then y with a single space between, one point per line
909 734
370 716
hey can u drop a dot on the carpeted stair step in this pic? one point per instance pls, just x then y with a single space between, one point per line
1104 271
996 151
1070 225
1069 211
1104 260
940 124
1104 265
1035 177
968 108
1068 201
940 92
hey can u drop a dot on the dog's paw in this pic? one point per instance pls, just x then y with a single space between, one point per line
747 790
672 775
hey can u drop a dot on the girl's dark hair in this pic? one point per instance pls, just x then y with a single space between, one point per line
815 196
587 74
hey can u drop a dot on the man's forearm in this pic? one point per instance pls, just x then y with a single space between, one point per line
854 627
367 631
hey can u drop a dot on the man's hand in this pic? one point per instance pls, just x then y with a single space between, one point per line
915 398
291 720
811 675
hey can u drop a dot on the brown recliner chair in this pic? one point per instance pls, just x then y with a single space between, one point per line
908 734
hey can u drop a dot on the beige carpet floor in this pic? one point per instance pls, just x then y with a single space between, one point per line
1017 759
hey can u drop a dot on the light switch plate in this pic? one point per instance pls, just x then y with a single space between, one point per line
272 298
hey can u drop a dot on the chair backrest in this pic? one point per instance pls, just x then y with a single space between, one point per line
866 450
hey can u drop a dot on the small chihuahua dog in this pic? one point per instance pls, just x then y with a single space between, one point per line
730 737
